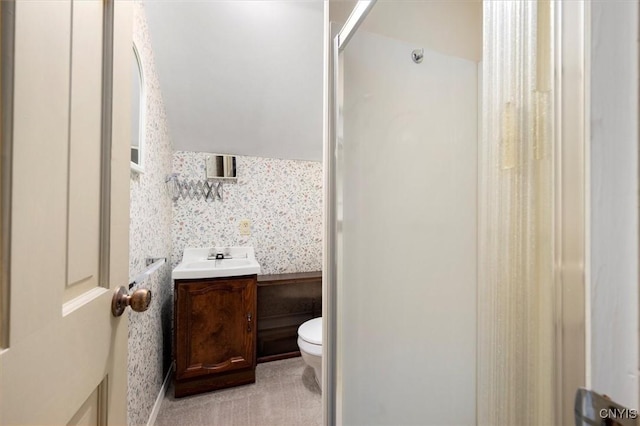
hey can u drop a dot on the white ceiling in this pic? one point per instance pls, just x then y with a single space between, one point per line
241 77
450 27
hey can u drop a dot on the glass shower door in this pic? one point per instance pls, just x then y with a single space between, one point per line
406 241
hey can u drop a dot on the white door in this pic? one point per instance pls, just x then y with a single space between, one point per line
64 356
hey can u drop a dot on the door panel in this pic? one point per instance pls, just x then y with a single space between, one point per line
66 357
38 225
85 139
212 329
90 413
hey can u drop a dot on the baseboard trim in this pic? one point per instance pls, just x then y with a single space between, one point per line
161 394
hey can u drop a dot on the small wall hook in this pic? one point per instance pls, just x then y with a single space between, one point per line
417 55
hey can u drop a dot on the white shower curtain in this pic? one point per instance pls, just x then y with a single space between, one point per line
516 280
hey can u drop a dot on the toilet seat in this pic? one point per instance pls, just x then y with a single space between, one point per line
311 331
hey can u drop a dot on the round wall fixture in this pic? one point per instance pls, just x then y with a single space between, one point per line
417 55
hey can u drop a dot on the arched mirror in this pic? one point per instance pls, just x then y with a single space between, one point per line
137 113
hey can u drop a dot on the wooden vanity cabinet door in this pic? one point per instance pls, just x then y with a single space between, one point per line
215 326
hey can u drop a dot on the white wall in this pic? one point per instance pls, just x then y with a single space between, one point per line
241 77
614 200
450 27
407 269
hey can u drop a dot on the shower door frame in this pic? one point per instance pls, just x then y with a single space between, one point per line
571 176
571 215
335 41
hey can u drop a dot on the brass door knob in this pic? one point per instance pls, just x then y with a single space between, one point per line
139 300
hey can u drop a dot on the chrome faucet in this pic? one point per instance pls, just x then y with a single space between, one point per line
222 253
214 254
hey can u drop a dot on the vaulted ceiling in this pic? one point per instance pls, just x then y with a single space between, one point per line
241 77
245 76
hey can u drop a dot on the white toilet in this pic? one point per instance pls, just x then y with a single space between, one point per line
310 344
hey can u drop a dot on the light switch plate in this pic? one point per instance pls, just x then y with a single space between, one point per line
245 227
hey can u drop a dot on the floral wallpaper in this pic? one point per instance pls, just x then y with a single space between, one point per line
281 198
150 236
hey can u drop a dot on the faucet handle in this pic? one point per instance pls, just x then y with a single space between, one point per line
214 253
219 253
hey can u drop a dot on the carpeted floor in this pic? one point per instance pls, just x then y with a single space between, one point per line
285 393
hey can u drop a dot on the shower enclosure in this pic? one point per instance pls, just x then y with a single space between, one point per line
406 211
446 292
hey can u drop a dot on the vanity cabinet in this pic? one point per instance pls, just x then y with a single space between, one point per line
214 333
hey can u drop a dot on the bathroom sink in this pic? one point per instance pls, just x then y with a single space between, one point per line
196 263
